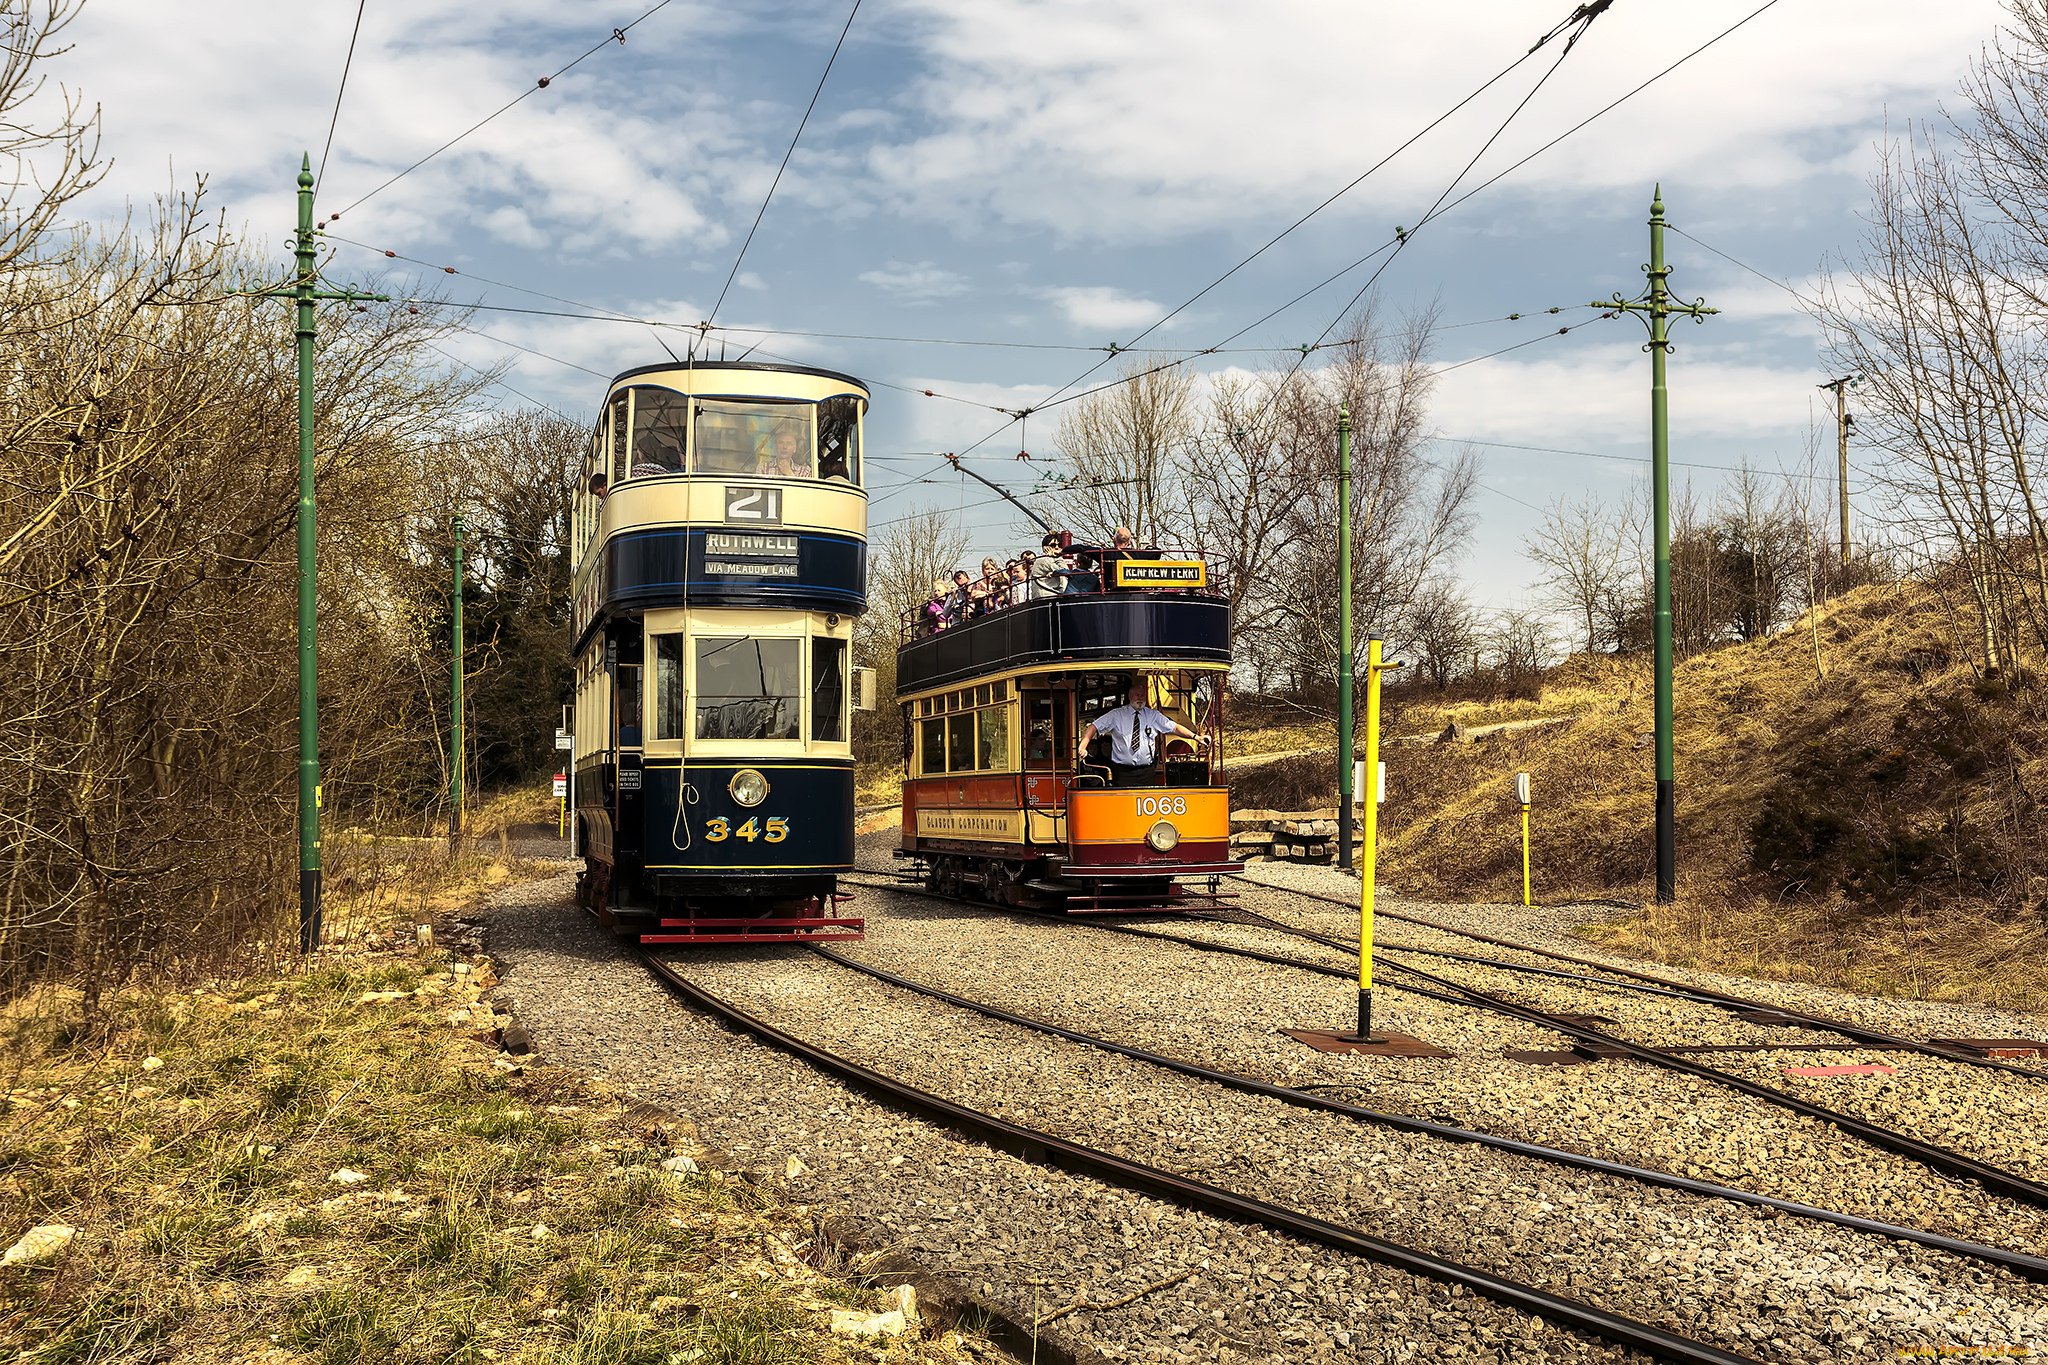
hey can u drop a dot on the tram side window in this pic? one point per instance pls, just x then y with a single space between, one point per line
828 689
960 742
769 440
995 737
619 436
1048 742
661 419
933 741
749 688
671 701
839 439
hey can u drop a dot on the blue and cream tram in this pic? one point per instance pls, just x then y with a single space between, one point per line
721 558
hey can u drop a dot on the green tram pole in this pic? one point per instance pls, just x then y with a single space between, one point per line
304 291
1656 308
455 697
1344 776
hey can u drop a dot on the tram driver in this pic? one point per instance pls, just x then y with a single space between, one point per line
1134 731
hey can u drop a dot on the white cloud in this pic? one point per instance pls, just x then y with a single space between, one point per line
747 279
921 282
1097 306
1123 120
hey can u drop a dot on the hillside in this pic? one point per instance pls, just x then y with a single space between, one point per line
1874 821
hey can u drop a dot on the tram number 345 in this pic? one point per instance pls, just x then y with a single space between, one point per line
774 831
1162 805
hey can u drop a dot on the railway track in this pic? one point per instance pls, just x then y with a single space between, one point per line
1960 1165
1630 980
1094 1163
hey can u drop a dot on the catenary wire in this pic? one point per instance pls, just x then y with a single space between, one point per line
802 123
339 91
1523 161
1768 279
1495 79
616 35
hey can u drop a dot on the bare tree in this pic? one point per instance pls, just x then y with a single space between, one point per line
1581 549
1128 446
1444 630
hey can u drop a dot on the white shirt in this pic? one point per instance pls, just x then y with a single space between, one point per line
1133 732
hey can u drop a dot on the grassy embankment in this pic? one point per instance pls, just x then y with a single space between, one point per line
326 1165
1870 821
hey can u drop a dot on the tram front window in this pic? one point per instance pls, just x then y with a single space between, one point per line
670 701
661 419
828 689
749 688
767 440
839 439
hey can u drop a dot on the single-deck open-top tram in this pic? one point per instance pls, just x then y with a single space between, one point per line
721 558
1012 790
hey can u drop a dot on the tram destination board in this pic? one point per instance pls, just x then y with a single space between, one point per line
1161 573
758 556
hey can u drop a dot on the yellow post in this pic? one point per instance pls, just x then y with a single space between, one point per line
1369 848
1522 795
1525 857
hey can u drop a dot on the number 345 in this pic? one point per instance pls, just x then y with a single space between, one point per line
775 830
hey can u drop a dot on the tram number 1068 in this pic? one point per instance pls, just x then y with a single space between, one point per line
1162 805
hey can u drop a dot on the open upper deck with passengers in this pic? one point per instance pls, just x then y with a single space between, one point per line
726 484
1114 606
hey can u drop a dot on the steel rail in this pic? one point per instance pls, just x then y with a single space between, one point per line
1036 1145
1993 1178
1846 1029
2030 1267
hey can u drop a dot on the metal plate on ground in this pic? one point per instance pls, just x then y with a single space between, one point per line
1995 1047
1544 1056
1395 1044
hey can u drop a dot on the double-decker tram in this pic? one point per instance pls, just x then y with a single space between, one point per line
1063 750
721 558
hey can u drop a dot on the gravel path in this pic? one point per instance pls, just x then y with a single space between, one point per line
1022 1238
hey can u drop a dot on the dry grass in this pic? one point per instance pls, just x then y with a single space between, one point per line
1921 783
193 1138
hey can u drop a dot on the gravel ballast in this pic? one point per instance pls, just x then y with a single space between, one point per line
1020 1237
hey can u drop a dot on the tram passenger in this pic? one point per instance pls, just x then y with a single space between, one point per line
960 604
1087 572
1019 586
934 616
787 458
1134 730
1047 570
983 592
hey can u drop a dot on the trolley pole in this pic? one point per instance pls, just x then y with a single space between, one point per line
455 696
1655 306
303 291
1345 782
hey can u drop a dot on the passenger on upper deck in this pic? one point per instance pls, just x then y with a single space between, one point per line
960 604
1048 569
788 459
934 615
990 590
1134 730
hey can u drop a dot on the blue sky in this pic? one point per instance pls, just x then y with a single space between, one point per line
1059 173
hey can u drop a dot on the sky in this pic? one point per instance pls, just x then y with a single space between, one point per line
1054 176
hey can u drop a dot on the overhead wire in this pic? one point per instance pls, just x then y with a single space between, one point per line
339 91
1768 279
617 35
1596 7
802 123
1502 174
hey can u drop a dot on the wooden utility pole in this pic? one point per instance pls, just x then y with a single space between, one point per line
1841 388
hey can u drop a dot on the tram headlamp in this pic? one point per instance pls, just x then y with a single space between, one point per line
748 787
1162 837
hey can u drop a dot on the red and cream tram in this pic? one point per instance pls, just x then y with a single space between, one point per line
999 798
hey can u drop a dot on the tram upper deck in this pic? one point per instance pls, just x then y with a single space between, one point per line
729 484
